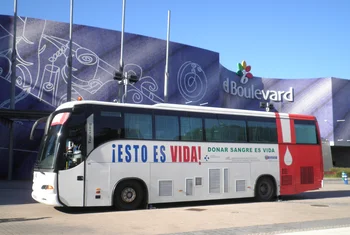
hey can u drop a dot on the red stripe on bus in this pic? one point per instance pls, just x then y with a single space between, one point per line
279 128
292 131
301 117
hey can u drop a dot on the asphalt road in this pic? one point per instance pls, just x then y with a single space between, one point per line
323 209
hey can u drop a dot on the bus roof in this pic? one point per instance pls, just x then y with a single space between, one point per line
183 107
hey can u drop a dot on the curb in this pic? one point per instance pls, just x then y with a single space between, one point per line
333 181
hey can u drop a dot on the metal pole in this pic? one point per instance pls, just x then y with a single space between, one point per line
11 151
121 62
166 75
14 54
13 88
70 63
126 82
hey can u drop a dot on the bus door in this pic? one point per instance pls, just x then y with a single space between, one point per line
105 127
71 165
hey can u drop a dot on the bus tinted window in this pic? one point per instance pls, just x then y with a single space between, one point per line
223 130
191 128
262 131
108 126
167 127
138 126
305 132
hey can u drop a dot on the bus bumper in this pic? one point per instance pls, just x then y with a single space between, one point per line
46 198
44 188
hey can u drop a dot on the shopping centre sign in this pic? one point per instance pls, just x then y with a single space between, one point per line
243 90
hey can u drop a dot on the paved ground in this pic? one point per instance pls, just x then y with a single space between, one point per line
324 209
336 231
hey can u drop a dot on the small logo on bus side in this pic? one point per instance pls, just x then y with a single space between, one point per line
270 157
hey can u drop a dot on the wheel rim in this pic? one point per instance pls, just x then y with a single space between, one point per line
128 195
265 189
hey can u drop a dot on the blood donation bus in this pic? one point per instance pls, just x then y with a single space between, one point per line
130 155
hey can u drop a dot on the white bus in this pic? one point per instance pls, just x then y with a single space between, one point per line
129 156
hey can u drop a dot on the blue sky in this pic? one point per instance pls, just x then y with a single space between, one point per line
279 39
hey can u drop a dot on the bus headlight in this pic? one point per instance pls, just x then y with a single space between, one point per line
47 187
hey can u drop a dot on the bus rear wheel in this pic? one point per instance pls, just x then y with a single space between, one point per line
265 189
128 195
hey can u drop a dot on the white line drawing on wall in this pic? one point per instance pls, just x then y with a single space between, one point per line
192 81
5 64
89 74
148 86
85 59
22 95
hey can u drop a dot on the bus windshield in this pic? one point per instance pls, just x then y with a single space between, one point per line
48 150
49 147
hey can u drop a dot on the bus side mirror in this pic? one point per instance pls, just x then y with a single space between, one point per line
41 120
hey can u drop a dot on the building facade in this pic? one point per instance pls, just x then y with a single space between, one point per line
196 77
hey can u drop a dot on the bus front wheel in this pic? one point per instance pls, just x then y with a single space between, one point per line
128 195
265 189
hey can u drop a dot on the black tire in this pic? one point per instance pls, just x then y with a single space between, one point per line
128 195
265 190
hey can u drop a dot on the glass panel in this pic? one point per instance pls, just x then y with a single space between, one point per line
167 127
108 126
48 150
138 126
305 133
74 142
223 130
262 131
191 128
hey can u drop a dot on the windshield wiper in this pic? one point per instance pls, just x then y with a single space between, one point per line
36 165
